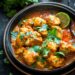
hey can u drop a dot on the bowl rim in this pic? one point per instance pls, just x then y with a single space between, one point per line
20 12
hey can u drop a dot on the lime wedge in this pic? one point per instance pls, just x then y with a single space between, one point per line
64 18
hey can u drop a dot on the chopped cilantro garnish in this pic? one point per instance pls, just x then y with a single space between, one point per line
22 36
14 35
60 54
28 33
45 52
57 40
35 48
44 27
52 32
41 59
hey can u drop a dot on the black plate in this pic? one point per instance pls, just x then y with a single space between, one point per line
7 45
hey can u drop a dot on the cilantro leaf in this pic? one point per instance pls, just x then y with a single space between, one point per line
60 54
57 40
44 27
41 59
28 33
14 35
52 32
22 36
45 52
35 48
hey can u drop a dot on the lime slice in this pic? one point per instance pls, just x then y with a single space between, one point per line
64 18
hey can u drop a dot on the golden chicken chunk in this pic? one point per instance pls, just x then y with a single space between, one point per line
16 29
56 61
44 33
20 50
58 28
38 21
19 42
27 22
29 57
52 46
66 47
53 20
34 39
59 31
26 29
40 65
71 48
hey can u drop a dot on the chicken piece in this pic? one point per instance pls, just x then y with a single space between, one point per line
63 47
66 47
32 41
29 42
44 33
29 57
71 48
52 46
56 61
13 42
19 42
38 21
27 22
40 65
20 50
26 29
58 28
35 38
16 29
53 20
59 34
59 31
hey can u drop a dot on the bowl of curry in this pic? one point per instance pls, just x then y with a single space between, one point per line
41 38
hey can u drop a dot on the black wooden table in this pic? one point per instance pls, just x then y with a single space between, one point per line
5 67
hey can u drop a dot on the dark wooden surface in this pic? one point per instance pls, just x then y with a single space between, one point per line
5 67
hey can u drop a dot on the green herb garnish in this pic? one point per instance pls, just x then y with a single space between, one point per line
45 52
57 40
60 54
14 35
22 36
41 59
52 32
44 27
35 48
10 7
28 33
